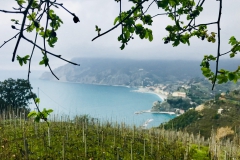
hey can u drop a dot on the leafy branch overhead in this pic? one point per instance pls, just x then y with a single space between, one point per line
38 16
184 14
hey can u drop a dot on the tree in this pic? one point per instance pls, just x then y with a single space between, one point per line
33 12
15 94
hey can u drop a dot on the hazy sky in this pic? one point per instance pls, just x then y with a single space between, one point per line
75 39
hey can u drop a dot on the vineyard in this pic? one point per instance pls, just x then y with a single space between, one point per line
87 138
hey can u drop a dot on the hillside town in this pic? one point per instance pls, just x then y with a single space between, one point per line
181 96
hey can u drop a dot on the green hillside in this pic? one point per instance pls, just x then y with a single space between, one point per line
203 121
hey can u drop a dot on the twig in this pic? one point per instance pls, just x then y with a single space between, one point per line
9 40
60 4
121 15
149 6
10 11
29 71
160 14
44 37
225 53
58 56
52 72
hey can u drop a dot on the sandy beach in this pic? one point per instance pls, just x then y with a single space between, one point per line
146 90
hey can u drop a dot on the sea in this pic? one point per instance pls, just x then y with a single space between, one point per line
116 104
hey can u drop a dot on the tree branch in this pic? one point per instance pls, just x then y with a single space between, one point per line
121 21
58 56
22 29
52 72
9 40
120 12
60 4
149 6
160 14
4 11
219 42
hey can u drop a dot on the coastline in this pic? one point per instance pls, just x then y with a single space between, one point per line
156 112
146 90
63 81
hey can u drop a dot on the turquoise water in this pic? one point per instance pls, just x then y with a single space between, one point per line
112 103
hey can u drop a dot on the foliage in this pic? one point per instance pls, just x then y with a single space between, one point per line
184 14
182 121
15 94
200 152
40 115
181 103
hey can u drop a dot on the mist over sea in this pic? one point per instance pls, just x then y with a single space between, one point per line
112 103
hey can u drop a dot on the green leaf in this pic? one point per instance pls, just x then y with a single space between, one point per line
235 79
49 111
233 41
176 43
204 69
232 55
42 33
51 14
146 34
20 2
96 28
122 47
162 4
147 19
169 28
31 27
37 119
41 62
131 29
199 8
116 19
37 100
35 4
127 34
44 60
20 60
26 57
231 76
172 3
32 114
150 36
31 17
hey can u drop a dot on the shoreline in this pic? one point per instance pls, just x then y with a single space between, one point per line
146 90
63 81
156 112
